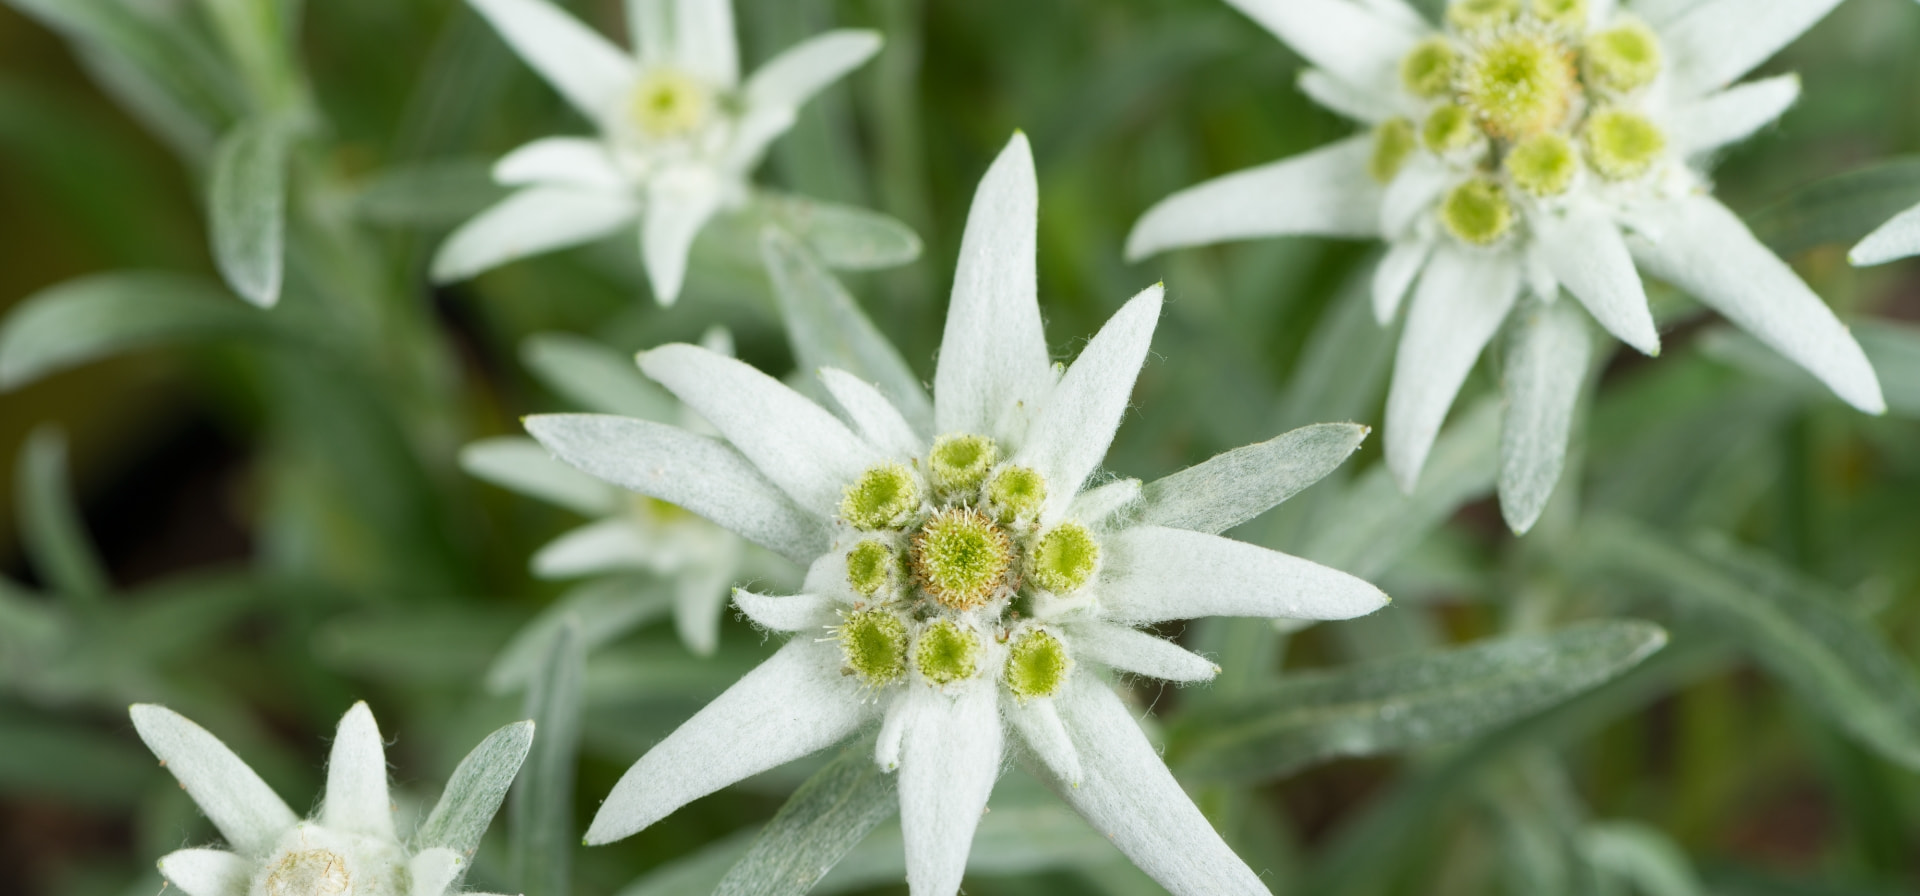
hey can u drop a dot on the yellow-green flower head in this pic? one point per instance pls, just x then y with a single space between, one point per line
1393 141
1543 165
1622 59
669 105
1449 129
1472 16
873 569
1015 493
947 651
1428 69
1519 84
1477 211
1622 144
884 497
874 644
1037 665
961 558
1064 558
960 463
1565 16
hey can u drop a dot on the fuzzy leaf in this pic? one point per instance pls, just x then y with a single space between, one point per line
1231 488
596 378
247 209
823 821
541 837
81 320
474 792
429 194
50 526
845 238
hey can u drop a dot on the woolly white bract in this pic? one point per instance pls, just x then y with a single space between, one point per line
679 131
966 591
350 846
1523 148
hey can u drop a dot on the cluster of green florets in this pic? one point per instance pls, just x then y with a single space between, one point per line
667 104
944 556
1530 98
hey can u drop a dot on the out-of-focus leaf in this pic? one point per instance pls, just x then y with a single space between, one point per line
1644 856
1404 702
259 42
597 378
50 523
652 670
439 645
603 610
1231 488
59 760
1840 209
520 464
1841 666
81 320
699 872
843 237
429 194
1894 349
474 792
1011 839
826 818
152 40
541 836
247 206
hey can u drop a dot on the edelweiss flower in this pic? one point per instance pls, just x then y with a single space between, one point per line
966 590
1896 239
679 133
1523 147
350 848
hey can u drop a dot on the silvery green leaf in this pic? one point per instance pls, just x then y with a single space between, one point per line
843 237
247 209
596 378
432 194
1547 356
1798 630
1894 349
1011 839
92 317
698 872
157 44
603 609
1405 702
474 792
523 465
1840 209
48 758
50 526
540 834
823 821
1231 488
259 43
1643 856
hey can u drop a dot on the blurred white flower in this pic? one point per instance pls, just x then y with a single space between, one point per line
966 589
1523 147
679 131
1896 239
350 846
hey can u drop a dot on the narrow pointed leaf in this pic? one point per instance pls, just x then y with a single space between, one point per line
596 378
246 209
843 237
822 822
540 835
1231 488
1839 210
474 792
90 318
50 526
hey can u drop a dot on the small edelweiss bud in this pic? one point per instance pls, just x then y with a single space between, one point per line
1037 665
1427 70
1392 142
874 644
310 872
1449 129
961 558
1621 144
1519 85
872 568
1562 15
1477 211
1016 493
884 497
667 104
1482 15
947 651
960 463
1064 558
1622 59
1543 165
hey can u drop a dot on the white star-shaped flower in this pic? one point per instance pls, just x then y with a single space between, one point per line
679 131
967 591
349 848
1521 148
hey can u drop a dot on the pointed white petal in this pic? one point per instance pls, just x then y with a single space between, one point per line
699 596
1461 300
1731 115
650 28
993 354
532 221
811 455
589 71
561 161
1353 40
949 758
600 546
759 126
1660 12
1152 574
1356 103
1714 42
434 870
893 729
1708 252
1588 255
1546 364
593 376
520 464
789 706
1231 488
1396 274
239 804
785 612
1094 505
876 419
703 40
357 778
1128 794
1070 435
1039 726
679 203
1413 193
793 77
1130 650
1898 238
206 872
698 473
1326 192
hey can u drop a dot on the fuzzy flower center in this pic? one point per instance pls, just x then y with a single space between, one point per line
1519 85
961 558
669 105
310 872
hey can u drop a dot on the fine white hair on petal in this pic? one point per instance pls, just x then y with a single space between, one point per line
1731 115
1660 12
1412 194
586 68
1458 305
806 451
561 161
679 203
232 796
793 704
1352 40
650 27
950 755
434 870
1395 275
704 42
1898 238
1714 42
1230 488
1094 505
207 872
600 546
1070 435
699 595
793 77
1326 192
893 730
520 464
1353 102
872 415
1039 726
785 613
1128 794
1588 254
1708 252
993 353
531 221
1546 363
1152 574
1130 650
357 778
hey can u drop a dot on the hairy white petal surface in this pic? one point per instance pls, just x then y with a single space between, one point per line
1355 41
1413 193
1731 115
600 546
872 415
233 797
531 221
589 71
1039 726
561 161
206 872
1898 238
520 464
650 27
785 612
1130 650
993 353
704 43
1546 364
1152 574
1395 275
789 706
1094 505
950 756
1714 42
893 730
1359 104
793 77
679 203
1230 488
434 870
357 778
1326 192
1458 306
1588 255
1708 252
